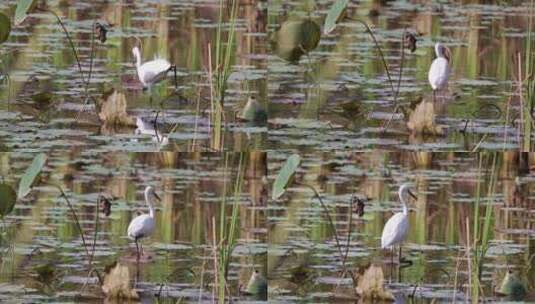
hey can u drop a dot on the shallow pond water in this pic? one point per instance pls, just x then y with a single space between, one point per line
43 257
340 97
38 59
304 264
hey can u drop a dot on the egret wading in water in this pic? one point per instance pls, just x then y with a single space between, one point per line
440 69
143 225
397 226
153 71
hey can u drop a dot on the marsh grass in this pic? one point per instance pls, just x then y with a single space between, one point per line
228 229
481 229
528 97
219 73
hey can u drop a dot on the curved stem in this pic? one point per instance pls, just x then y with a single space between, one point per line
80 230
333 228
70 42
369 30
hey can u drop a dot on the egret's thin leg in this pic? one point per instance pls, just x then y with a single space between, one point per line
137 250
391 263
141 248
399 255
176 81
434 95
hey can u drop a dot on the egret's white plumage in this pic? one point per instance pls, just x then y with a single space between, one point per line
439 70
396 228
150 72
143 225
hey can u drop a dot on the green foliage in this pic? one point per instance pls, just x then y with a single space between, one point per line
335 13
285 174
30 174
22 10
296 38
5 27
8 197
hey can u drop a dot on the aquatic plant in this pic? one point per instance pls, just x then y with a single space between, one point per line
481 228
284 178
220 72
528 82
228 229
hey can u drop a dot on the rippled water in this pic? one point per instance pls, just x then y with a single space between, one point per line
339 96
304 263
178 261
38 59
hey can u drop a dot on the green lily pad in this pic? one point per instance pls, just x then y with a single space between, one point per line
296 38
335 13
5 27
285 174
8 197
30 174
22 10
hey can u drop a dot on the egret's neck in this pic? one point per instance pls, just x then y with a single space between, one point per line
149 203
439 51
403 203
138 60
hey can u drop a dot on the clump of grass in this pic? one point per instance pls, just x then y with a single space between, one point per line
482 229
219 73
528 97
228 229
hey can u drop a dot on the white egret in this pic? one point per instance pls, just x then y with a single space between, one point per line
153 71
439 70
397 226
143 225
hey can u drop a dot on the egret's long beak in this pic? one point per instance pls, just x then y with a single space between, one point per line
157 197
412 194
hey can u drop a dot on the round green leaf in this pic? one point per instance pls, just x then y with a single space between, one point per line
5 27
31 173
295 38
8 197
284 176
334 14
23 8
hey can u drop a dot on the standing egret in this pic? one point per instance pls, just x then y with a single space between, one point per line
143 225
397 226
439 70
153 71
